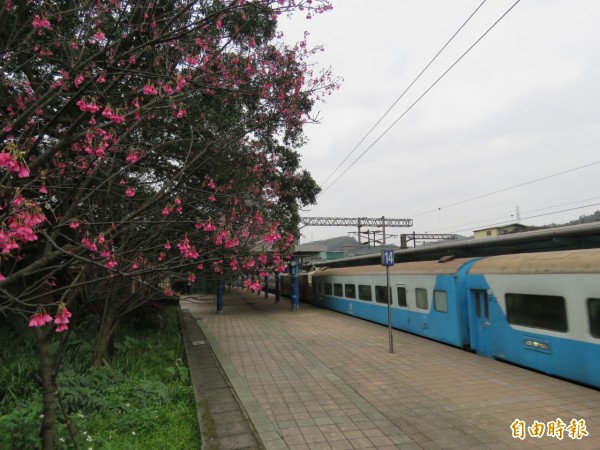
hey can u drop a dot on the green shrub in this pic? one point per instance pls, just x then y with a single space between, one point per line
143 401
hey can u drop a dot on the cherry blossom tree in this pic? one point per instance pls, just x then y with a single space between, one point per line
145 142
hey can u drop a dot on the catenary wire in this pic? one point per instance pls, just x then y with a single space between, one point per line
537 215
403 93
419 98
506 189
507 217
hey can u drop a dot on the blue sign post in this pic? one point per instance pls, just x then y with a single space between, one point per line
387 260
295 291
220 294
277 288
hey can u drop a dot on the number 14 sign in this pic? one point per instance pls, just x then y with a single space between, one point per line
387 258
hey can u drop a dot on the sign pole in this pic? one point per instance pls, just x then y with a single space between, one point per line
387 260
389 299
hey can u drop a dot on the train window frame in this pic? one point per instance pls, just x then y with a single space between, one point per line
362 289
531 310
381 294
422 301
402 299
328 289
594 322
440 300
350 290
338 289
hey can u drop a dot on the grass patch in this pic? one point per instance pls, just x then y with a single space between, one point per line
143 401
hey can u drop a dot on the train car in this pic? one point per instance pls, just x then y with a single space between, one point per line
428 297
539 310
305 291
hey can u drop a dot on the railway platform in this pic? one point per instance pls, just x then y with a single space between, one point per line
316 379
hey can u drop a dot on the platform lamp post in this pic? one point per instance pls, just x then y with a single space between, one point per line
294 273
277 293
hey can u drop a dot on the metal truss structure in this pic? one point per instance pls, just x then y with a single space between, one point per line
359 222
437 237
381 222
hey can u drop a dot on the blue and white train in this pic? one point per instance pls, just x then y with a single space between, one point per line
537 310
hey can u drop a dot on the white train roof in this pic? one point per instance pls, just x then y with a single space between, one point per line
567 261
408 268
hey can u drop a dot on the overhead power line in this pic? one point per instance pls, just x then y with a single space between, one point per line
420 97
506 189
538 215
403 93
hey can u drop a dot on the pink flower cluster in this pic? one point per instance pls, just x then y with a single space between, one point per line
11 163
187 250
21 225
41 22
149 89
88 105
208 226
115 116
41 318
62 318
133 156
252 285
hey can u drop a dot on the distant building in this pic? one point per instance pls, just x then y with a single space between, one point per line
499 231
311 252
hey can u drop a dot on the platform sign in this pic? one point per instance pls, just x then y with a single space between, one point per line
387 258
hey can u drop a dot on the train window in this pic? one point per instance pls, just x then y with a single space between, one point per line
364 292
320 287
537 311
594 316
381 294
328 290
350 291
440 301
421 296
402 296
338 291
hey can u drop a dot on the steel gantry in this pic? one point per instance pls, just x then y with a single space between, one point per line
404 238
359 222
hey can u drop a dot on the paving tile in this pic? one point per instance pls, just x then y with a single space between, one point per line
332 378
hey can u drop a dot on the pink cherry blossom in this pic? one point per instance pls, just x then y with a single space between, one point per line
149 89
40 318
41 22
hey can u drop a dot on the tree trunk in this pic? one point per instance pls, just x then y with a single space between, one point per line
107 329
47 430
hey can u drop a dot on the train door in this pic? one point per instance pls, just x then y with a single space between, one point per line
482 334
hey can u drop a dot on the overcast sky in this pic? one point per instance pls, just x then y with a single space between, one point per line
522 105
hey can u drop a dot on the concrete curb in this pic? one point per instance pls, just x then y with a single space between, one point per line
222 419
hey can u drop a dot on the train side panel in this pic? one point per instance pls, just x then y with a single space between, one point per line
537 316
285 285
426 304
